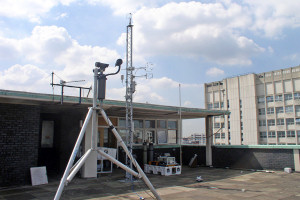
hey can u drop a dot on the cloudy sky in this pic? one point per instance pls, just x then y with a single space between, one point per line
183 42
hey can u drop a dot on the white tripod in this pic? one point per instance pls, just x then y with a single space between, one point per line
71 169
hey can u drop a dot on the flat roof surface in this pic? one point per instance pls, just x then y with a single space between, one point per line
218 183
51 103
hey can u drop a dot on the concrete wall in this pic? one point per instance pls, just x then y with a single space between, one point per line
19 142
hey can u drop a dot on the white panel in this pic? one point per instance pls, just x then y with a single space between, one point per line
296 84
217 96
278 87
38 175
287 85
269 88
260 90
209 97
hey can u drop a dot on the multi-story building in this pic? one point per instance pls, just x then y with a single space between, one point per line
265 108
196 138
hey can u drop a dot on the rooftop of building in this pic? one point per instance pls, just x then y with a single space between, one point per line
112 107
218 183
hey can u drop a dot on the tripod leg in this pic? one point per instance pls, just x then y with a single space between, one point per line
73 155
139 169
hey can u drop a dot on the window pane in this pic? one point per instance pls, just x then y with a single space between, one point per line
172 124
149 123
261 111
138 137
161 137
290 133
280 121
290 121
150 136
289 109
263 135
298 121
122 133
281 134
262 122
261 99
271 134
161 124
172 136
270 98
122 122
270 110
271 122
216 105
288 97
278 98
297 95
279 110
138 123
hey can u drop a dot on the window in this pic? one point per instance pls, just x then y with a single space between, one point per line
297 109
161 124
138 137
242 126
281 134
261 99
270 99
216 125
241 114
222 125
280 122
271 122
263 135
288 97
270 111
228 124
242 137
227 103
172 124
162 137
172 136
138 123
222 135
297 95
279 110
241 105
217 135
216 105
278 98
150 136
298 134
297 121
230 137
289 109
261 111
262 122
272 134
122 122
149 123
289 121
222 104
209 106
290 133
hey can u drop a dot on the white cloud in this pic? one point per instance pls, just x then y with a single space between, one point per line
214 72
193 29
271 17
29 9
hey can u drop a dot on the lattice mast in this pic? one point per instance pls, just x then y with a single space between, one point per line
130 89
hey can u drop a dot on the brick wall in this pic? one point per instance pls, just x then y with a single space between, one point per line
19 141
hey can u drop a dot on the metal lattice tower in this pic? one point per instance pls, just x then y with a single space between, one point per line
130 89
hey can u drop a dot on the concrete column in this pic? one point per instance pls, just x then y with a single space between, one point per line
209 139
297 160
89 169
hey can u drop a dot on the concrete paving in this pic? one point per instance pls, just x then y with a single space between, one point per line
217 184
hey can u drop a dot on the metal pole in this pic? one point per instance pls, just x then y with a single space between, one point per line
73 155
180 121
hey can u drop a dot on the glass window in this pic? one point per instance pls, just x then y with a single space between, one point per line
298 121
172 136
228 124
279 110
222 125
241 105
222 135
270 110
227 103
217 135
289 121
261 99
270 99
149 123
289 109
297 95
138 123
271 134
172 124
280 122
150 136
278 98
216 105
161 124
209 106
298 134
242 126
288 97
138 137
281 134
222 104
261 111
122 133
271 122
217 125
263 135
290 133
122 122
162 137
297 109
262 122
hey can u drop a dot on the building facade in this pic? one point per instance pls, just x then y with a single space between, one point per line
265 108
